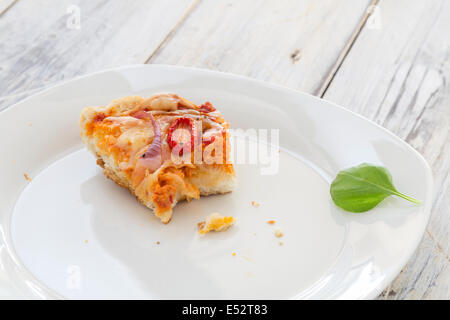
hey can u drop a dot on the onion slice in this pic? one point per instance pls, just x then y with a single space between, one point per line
151 159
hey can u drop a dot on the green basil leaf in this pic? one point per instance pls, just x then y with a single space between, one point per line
361 188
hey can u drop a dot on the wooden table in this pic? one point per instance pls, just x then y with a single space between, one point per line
386 59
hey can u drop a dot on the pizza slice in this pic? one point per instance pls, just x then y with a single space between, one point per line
164 149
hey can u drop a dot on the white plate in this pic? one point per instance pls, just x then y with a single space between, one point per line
72 233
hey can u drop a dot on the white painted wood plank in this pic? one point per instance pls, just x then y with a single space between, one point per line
289 42
399 77
40 46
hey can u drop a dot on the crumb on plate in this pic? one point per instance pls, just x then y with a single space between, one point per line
281 243
27 177
86 241
271 222
255 204
234 254
278 233
157 242
215 222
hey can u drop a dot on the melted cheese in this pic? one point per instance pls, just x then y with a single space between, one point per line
135 136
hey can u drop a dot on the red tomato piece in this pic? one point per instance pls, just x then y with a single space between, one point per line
207 107
181 132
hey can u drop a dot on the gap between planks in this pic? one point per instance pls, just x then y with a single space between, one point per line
5 5
188 12
329 77
334 69
348 46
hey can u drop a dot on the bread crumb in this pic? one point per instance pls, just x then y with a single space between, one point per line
27 177
86 241
255 204
215 222
281 243
278 233
157 242
30 124
234 254
271 222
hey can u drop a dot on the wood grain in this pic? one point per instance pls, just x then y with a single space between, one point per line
37 48
398 76
290 42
